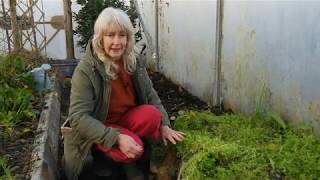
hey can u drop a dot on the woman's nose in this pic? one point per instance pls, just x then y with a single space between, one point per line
116 39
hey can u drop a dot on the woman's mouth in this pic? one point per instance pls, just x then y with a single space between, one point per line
116 49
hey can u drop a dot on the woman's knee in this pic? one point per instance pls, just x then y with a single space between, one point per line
145 115
143 120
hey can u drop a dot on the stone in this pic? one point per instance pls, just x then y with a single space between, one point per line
172 118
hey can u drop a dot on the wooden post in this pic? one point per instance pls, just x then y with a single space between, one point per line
35 48
6 27
68 28
16 34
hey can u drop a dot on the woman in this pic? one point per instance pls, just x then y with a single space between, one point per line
112 104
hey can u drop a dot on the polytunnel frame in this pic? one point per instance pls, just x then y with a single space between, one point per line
24 28
218 48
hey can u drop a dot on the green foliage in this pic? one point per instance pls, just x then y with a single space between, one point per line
14 72
5 172
15 92
15 106
89 12
246 147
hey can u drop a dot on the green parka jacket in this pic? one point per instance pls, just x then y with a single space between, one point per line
89 103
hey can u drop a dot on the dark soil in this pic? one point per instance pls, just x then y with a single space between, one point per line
174 98
16 146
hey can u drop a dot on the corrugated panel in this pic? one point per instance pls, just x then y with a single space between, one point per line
270 58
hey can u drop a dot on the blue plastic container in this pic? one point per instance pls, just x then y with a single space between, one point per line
41 78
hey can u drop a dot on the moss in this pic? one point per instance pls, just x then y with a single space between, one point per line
246 147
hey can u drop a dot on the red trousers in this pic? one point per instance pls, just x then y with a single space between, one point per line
141 121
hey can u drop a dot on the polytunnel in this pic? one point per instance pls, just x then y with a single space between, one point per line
240 78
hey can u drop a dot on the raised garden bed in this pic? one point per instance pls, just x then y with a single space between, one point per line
20 108
29 121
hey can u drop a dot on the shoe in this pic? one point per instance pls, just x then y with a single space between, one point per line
132 172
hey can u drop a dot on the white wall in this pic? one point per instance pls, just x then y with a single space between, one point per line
187 42
270 58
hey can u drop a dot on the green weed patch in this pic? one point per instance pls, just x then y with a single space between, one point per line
246 147
14 72
15 92
5 172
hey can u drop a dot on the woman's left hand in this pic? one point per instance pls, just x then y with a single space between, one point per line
171 135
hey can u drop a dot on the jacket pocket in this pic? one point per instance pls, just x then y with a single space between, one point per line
71 144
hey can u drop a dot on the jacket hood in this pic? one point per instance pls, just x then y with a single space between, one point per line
91 58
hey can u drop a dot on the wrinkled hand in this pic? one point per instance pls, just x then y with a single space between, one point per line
129 146
171 135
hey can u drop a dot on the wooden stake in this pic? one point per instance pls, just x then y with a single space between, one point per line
15 27
68 28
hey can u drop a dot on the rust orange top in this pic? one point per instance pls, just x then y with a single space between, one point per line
122 96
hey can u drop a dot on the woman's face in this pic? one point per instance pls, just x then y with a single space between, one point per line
115 42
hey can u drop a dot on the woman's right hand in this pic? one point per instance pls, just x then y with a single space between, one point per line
129 146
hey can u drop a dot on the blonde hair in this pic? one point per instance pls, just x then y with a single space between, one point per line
108 17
